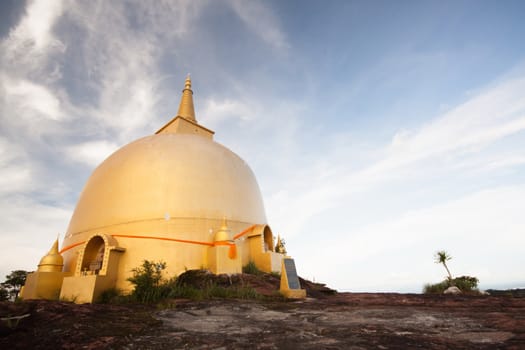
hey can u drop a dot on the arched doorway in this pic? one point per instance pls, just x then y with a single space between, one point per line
93 256
268 239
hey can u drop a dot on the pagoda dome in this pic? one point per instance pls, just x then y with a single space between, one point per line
167 176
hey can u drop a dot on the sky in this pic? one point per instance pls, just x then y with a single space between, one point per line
379 131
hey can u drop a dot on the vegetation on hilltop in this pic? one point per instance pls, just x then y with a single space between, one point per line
10 288
466 284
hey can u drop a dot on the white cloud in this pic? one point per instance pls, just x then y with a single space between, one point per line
506 162
30 101
14 178
38 22
91 153
168 19
261 20
493 114
16 173
30 105
216 112
122 58
29 44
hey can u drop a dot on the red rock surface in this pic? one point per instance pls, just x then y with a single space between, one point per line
342 321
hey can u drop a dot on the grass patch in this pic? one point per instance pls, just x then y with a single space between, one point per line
251 268
113 296
213 291
201 284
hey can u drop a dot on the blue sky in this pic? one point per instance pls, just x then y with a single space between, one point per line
379 131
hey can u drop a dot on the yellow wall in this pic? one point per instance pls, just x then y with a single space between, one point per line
43 285
84 289
220 261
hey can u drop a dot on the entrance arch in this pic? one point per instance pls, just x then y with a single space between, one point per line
93 255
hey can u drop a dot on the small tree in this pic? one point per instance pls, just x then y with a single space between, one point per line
441 258
14 281
147 280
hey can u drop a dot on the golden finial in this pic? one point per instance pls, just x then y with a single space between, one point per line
224 223
186 109
187 83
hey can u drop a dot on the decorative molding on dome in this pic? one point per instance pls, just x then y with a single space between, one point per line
180 125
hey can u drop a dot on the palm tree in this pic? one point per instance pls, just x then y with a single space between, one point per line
441 258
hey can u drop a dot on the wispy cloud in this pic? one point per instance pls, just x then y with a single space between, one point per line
263 22
121 66
491 115
30 101
29 44
506 162
215 111
468 129
35 28
91 153
16 173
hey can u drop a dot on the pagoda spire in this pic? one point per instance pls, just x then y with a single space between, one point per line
184 121
186 109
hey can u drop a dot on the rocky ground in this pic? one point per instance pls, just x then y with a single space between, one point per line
340 321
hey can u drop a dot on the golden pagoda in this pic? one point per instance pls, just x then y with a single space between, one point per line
175 196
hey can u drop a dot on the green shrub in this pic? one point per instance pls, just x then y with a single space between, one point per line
437 288
192 284
148 282
467 284
251 269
